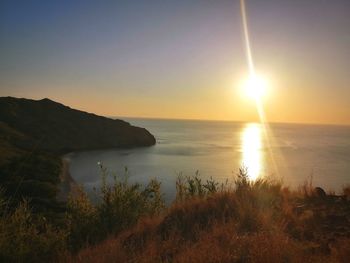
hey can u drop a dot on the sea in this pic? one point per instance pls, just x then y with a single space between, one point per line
291 153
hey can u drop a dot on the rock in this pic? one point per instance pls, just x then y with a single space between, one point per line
320 193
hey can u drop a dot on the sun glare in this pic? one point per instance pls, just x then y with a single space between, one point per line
255 86
251 149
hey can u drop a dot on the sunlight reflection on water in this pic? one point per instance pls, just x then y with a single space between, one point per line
251 149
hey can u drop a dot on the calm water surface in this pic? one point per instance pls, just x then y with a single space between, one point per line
292 153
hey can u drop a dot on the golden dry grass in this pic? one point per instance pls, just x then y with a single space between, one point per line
255 222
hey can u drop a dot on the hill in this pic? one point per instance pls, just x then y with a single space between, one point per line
53 127
35 133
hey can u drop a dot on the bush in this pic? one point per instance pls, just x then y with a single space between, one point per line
193 186
209 222
32 176
25 237
119 206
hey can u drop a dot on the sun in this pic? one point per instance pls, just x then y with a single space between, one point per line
255 86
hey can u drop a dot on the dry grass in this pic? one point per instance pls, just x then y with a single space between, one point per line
346 192
259 221
252 222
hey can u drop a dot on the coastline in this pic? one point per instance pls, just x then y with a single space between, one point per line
67 186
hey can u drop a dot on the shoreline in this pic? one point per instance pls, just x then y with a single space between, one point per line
67 186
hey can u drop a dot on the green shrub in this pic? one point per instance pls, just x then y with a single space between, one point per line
193 186
119 206
25 237
32 176
81 220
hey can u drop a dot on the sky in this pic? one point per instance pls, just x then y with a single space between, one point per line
179 59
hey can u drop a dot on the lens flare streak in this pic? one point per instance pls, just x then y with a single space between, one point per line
246 38
251 146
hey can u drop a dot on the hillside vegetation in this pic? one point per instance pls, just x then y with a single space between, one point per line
259 221
50 126
34 135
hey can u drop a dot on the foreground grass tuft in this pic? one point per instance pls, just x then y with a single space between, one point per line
25 237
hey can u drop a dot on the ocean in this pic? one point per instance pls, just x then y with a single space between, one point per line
292 153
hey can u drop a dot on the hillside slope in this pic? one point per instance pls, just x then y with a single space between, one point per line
51 126
34 135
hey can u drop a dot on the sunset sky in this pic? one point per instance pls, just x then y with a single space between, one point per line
179 59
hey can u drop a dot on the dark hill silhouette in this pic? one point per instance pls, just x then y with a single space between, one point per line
54 127
34 135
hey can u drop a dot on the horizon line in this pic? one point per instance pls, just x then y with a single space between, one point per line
226 120
181 119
